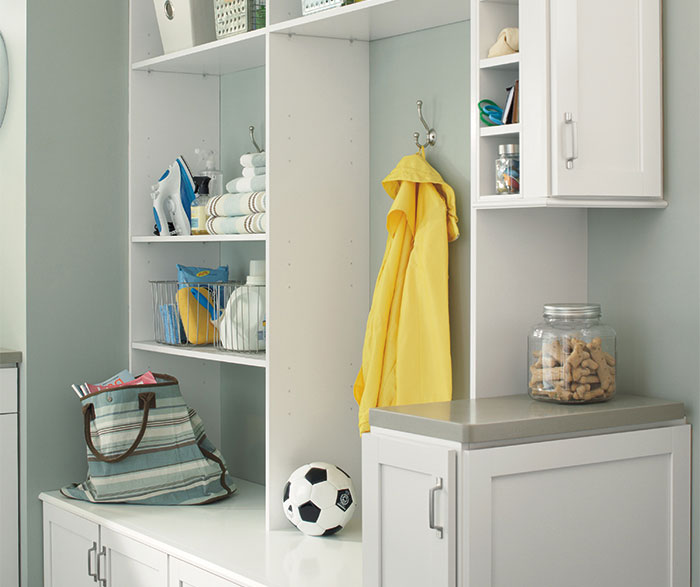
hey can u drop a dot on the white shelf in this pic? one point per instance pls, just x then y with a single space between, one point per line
227 55
504 130
500 201
505 62
376 19
204 352
200 238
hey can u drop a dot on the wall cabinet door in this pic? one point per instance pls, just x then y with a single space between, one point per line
409 513
606 98
186 575
70 549
606 510
127 563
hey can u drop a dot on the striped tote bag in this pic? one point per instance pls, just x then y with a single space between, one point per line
145 446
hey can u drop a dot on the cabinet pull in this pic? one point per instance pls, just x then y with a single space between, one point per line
90 552
572 153
102 581
431 508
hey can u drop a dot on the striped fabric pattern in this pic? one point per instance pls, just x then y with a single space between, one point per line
237 204
250 224
174 463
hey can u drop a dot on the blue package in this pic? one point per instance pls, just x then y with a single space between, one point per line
187 274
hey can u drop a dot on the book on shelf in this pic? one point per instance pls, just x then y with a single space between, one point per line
510 112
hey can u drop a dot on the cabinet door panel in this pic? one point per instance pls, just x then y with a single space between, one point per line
402 482
132 564
9 510
606 76
70 545
186 575
605 510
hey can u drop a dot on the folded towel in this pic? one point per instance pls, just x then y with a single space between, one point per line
247 184
508 42
251 224
253 171
237 204
253 159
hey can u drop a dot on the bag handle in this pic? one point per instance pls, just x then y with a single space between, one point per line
147 400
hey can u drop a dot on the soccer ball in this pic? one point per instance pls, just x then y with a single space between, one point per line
319 499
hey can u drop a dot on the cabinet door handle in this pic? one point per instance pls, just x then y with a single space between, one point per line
90 552
431 508
102 580
572 152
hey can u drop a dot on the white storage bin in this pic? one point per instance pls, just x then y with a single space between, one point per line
185 23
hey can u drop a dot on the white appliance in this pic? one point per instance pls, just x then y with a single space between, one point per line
9 479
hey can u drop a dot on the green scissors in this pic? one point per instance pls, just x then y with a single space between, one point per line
491 114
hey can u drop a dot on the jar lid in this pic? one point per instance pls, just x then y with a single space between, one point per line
509 149
572 311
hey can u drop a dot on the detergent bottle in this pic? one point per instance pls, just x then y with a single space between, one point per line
242 326
199 205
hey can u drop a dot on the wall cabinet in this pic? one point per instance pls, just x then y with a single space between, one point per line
590 129
609 508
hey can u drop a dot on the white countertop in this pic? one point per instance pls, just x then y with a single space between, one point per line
228 539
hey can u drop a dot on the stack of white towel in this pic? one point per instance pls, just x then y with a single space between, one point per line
243 210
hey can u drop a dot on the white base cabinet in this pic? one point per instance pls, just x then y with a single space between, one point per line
185 575
605 510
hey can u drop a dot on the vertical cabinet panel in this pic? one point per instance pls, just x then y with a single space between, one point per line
70 549
607 510
9 512
409 515
128 563
606 98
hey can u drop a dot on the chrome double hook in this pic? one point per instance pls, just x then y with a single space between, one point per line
431 134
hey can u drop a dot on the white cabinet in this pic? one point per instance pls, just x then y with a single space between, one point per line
70 549
9 480
409 516
606 98
590 102
604 510
126 562
185 575
78 552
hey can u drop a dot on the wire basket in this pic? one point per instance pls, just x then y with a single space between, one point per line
312 6
234 17
228 315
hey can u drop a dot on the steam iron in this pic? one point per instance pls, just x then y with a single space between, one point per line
172 197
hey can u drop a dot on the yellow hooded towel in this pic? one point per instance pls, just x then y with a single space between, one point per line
406 354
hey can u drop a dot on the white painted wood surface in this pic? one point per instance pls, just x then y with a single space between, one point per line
400 481
318 263
606 72
129 563
182 574
9 499
70 546
8 390
606 510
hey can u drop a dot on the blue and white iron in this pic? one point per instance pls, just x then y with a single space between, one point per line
172 197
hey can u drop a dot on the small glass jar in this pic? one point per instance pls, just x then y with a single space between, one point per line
571 356
508 169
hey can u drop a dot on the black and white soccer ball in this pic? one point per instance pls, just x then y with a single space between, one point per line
319 499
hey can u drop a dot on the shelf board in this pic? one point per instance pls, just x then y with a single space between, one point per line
204 352
200 238
227 55
376 19
504 130
505 62
500 201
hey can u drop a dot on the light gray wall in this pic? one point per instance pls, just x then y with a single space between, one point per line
433 66
76 228
644 265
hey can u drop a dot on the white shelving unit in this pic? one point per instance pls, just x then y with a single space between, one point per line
317 249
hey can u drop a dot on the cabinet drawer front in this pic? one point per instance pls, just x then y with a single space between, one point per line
185 575
8 390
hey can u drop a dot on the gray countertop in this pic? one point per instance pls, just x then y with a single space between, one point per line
517 417
8 356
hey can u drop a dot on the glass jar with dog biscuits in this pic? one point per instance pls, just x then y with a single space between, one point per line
571 356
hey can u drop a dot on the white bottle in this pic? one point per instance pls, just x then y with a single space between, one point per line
242 325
